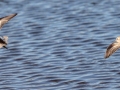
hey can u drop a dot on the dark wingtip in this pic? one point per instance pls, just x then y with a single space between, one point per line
106 56
15 14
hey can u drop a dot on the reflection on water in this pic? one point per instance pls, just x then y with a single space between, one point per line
59 45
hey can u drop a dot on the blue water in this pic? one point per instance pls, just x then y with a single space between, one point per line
60 45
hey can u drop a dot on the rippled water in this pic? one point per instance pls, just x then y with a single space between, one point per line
60 45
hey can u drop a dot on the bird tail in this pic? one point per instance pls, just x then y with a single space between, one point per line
5 47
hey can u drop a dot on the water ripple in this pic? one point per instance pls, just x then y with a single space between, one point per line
59 45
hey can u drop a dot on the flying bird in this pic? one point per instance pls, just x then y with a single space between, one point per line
5 19
3 41
113 47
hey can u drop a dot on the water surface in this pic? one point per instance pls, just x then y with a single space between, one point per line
60 45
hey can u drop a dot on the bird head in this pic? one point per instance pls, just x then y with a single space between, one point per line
118 39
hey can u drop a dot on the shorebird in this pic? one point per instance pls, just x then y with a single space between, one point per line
113 47
3 41
5 19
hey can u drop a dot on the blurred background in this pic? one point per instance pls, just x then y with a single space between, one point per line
60 45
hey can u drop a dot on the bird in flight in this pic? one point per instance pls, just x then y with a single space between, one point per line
113 47
3 20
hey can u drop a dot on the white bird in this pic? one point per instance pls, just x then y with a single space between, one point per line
3 41
5 19
113 47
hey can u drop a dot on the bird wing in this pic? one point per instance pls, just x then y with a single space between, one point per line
112 48
2 41
5 39
5 19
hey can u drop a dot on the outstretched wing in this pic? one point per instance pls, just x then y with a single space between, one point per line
5 39
5 19
2 43
112 48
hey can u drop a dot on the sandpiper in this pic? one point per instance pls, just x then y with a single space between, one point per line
113 47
